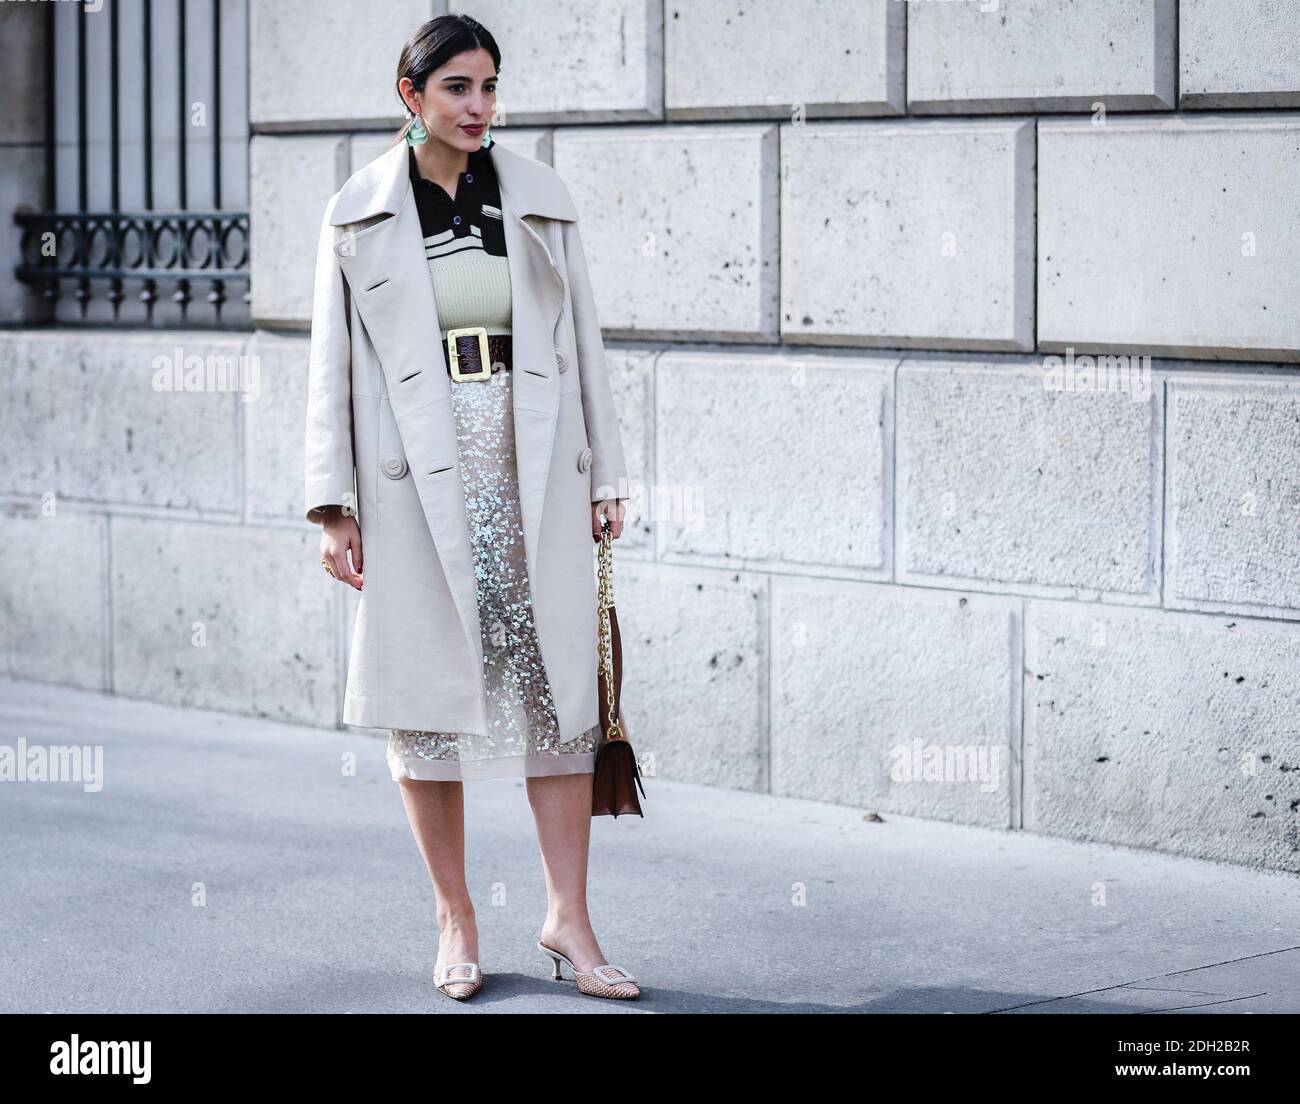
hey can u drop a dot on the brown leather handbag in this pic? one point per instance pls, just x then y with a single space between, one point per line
617 774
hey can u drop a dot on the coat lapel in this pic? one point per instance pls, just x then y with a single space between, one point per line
384 263
537 299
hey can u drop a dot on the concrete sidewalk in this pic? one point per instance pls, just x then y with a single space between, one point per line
316 899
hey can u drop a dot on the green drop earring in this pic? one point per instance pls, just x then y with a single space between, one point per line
416 134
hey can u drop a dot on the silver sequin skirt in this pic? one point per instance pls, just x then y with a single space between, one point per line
523 738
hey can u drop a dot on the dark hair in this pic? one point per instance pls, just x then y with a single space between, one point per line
433 45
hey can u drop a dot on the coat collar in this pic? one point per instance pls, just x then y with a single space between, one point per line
529 187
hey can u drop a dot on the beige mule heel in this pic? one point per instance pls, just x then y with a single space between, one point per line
461 987
601 981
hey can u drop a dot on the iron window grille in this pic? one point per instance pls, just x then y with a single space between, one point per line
112 252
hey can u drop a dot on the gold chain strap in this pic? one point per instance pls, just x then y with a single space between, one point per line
605 601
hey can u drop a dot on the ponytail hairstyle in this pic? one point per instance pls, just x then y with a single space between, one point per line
433 45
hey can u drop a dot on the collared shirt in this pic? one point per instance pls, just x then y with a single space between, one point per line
465 245
477 206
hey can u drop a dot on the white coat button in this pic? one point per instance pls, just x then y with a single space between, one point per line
584 460
395 467
559 360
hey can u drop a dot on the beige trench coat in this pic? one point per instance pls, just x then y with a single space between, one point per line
381 438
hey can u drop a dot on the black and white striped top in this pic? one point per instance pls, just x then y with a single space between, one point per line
465 245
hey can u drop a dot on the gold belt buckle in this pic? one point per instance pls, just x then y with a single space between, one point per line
453 353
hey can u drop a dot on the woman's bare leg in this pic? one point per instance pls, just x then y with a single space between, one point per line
562 808
436 811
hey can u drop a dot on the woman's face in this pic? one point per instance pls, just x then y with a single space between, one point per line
463 93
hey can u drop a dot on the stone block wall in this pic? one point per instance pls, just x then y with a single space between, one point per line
956 346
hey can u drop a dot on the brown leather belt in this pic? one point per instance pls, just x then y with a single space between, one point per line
470 343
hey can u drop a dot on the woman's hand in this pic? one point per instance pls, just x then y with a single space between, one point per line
612 508
340 535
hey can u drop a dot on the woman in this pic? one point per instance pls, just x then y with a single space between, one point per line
457 373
